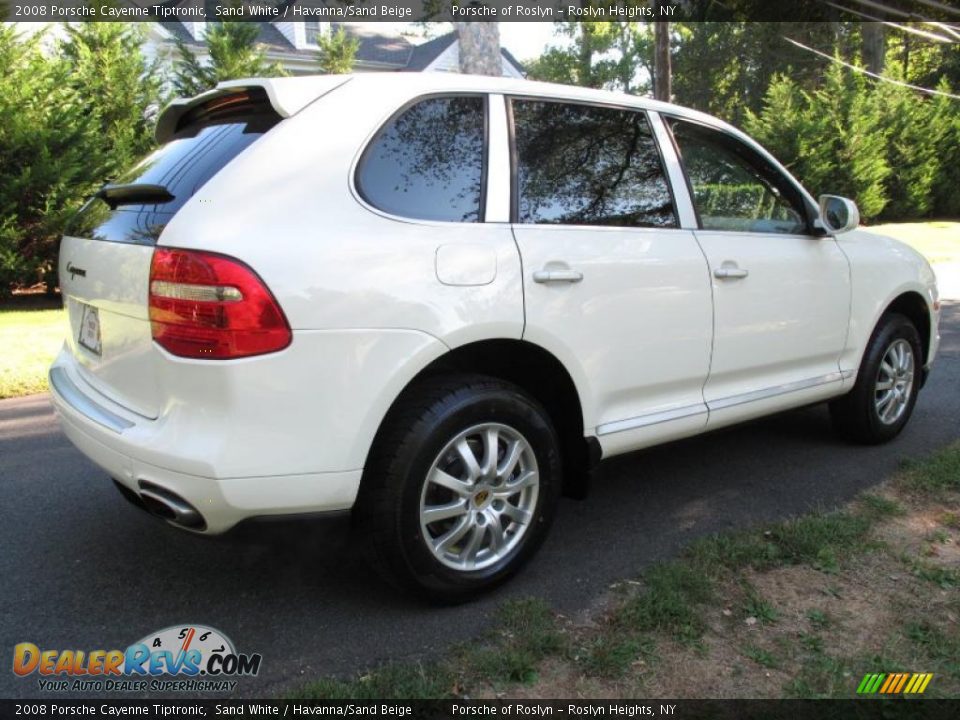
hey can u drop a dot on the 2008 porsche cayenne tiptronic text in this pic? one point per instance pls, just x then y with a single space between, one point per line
438 301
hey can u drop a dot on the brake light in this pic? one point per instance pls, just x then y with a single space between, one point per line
204 305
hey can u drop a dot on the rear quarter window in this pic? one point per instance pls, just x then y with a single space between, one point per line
427 162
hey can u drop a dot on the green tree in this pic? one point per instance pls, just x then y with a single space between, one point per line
124 92
946 190
68 122
832 138
613 55
337 52
233 53
916 133
725 68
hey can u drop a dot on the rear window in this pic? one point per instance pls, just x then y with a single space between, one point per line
207 139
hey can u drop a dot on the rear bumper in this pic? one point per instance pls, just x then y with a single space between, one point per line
105 435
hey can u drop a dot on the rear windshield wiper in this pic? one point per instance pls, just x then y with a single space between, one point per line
134 193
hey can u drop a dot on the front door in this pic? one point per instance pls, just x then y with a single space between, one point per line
781 295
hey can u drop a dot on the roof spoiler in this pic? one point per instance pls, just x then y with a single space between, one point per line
287 96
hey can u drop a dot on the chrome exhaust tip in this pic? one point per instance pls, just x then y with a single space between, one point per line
169 506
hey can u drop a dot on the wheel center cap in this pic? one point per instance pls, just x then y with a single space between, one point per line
481 498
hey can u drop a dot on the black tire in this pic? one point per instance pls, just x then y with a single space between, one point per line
430 416
855 415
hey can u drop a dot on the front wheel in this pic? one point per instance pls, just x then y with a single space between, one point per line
882 400
461 487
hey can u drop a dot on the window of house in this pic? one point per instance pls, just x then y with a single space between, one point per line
587 165
312 29
735 188
428 161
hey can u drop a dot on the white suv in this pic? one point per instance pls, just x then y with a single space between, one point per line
438 300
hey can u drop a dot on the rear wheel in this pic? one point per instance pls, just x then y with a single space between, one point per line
882 400
461 487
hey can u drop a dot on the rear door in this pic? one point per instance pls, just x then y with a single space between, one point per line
781 295
105 254
613 286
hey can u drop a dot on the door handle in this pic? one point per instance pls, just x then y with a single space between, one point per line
549 276
730 271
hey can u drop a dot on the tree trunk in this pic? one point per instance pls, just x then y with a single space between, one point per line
479 48
874 49
661 60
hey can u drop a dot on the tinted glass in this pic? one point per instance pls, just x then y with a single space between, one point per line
584 165
734 188
183 165
427 163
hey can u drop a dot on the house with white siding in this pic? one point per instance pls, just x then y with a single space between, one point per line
294 46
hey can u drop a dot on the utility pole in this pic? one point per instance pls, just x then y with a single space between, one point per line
661 59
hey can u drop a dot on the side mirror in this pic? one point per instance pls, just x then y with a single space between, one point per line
838 214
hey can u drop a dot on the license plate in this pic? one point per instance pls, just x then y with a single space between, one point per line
90 329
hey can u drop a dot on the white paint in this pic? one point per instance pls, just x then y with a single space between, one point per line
657 348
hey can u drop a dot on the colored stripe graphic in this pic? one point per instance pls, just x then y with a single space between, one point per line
894 683
891 681
870 683
902 681
919 683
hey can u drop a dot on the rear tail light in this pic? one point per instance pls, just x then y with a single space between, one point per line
204 305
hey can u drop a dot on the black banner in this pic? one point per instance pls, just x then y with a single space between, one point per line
865 709
472 10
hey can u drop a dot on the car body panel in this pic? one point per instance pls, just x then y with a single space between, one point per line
649 337
639 324
783 324
883 269
114 281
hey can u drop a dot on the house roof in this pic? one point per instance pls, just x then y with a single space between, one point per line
268 35
427 52
375 47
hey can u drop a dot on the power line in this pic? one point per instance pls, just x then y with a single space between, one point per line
874 75
897 26
940 6
884 8
946 28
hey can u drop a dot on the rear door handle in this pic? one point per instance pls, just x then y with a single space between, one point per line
730 271
549 276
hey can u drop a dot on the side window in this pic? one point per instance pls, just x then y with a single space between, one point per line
588 165
733 187
427 162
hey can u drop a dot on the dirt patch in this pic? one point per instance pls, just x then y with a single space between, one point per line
796 630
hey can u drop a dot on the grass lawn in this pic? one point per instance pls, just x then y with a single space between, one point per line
805 608
937 240
29 340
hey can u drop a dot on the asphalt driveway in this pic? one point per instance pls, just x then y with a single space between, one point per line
80 568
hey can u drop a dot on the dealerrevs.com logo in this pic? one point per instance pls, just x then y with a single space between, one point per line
181 658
